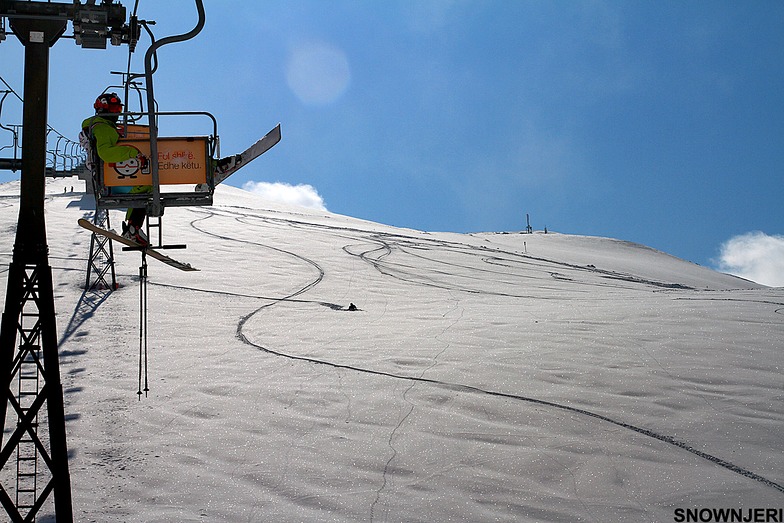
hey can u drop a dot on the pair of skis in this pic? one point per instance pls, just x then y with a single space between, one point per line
152 253
237 162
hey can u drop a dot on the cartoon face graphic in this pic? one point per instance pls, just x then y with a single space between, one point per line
127 168
131 167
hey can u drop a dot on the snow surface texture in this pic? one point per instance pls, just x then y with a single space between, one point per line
484 377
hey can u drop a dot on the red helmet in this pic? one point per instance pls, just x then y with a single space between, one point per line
108 103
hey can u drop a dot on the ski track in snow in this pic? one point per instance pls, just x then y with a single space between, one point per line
381 247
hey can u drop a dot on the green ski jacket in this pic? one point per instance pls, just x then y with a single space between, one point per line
106 137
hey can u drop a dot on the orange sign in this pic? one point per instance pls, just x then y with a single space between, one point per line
180 161
136 131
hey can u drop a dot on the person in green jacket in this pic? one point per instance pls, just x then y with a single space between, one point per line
103 129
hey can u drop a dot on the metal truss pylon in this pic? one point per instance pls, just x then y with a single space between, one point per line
101 262
29 314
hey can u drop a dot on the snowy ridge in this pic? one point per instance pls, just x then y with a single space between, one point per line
484 377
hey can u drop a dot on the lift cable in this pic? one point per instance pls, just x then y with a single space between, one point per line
69 157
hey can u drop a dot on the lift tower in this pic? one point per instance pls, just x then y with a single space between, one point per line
29 314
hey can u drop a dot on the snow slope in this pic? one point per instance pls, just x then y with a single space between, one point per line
484 377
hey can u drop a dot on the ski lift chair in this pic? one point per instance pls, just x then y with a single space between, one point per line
182 161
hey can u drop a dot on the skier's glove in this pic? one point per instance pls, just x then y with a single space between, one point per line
144 162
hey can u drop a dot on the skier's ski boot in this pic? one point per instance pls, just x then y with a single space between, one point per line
135 234
228 163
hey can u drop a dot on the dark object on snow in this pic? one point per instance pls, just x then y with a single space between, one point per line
352 307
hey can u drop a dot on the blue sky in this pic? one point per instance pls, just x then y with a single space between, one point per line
655 122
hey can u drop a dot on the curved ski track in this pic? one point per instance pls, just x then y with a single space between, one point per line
383 245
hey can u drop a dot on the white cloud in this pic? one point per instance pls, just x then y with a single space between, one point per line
754 256
302 195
